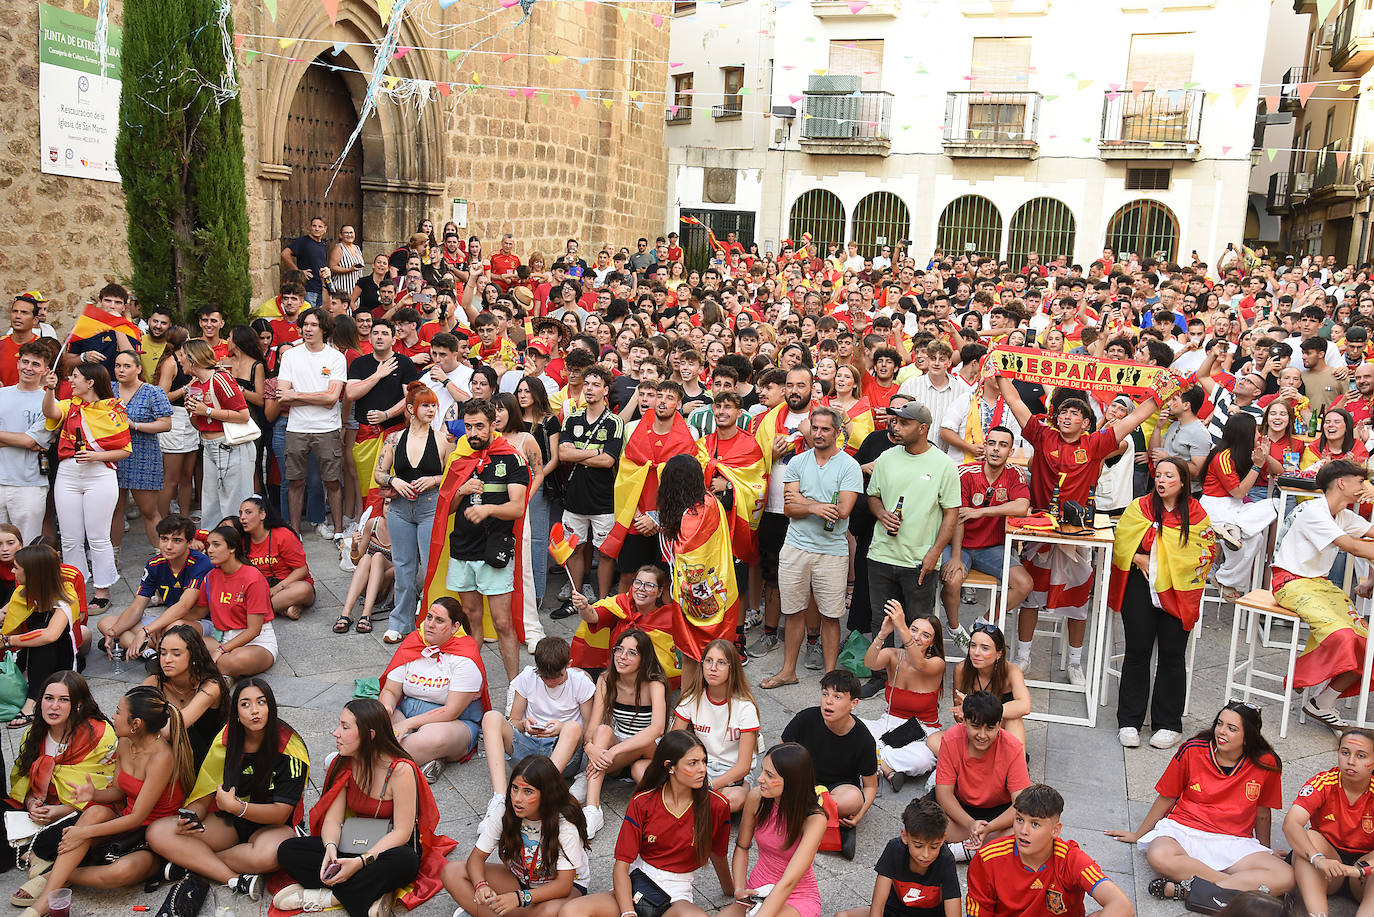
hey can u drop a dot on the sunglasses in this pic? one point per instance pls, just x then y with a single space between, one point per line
983 627
1240 706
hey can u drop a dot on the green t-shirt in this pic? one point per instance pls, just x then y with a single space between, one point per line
930 484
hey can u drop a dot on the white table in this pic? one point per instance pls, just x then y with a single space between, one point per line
1099 542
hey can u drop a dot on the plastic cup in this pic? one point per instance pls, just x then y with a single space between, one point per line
60 902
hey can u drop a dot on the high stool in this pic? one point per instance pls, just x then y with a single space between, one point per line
1109 673
1253 606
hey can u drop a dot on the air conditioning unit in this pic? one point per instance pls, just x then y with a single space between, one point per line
1327 36
1302 181
832 83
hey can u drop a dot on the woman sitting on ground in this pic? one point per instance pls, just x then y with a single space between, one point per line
541 838
70 741
719 707
372 777
187 677
435 689
278 554
1212 818
645 606
42 634
986 668
247 799
107 847
240 607
1327 831
915 670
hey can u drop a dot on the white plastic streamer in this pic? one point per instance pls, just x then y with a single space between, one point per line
102 34
375 84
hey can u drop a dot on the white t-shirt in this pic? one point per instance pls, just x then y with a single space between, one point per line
310 374
562 704
719 727
571 853
462 377
1306 539
773 500
432 679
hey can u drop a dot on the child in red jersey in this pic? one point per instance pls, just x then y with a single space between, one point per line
916 873
1213 814
1033 873
1339 806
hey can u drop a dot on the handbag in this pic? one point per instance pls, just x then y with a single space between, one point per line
236 434
186 898
14 688
358 835
649 899
905 734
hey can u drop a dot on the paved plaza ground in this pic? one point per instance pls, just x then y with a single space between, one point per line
1105 786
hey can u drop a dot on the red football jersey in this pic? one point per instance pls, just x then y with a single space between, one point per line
1348 827
977 491
1000 885
1221 476
1209 799
664 840
1079 462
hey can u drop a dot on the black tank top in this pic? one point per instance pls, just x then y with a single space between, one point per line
430 464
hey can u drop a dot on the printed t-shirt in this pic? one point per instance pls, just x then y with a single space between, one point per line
719 726
914 894
433 678
528 867
161 584
1080 462
1000 885
231 598
1209 799
1349 827
976 491
278 555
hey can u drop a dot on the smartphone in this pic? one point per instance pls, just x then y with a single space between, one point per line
191 817
332 870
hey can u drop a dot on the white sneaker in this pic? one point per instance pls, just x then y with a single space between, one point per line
496 806
1128 736
510 698
325 530
961 853
1076 676
565 593
1022 660
1165 738
579 788
594 820
1327 715
753 618
589 591
1231 534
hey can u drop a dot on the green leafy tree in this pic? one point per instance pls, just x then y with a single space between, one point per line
180 156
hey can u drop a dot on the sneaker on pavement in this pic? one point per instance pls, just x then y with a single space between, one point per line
579 788
589 591
566 592
815 658
765 645
874 686
594 820
1165 738
1230 534
382 906
325 530
566 610
961 854
753 618
959 637
1128 736
432 770
1076 676
741 649
250 885
1327 715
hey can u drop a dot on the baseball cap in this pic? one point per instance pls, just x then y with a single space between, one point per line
914 410
537 346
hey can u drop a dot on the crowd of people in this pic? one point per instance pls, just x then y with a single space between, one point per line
816 447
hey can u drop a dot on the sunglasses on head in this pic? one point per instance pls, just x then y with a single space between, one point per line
1241 706
982 627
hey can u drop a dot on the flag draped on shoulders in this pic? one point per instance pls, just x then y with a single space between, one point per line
591 646
211 776
104 424
645 453
703 579
95 321
772 425
740 461
1178 569
416 645
90 753
463 464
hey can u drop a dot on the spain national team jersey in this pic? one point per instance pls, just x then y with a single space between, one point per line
1000 885
663 839
1349 827
1211 799
165 587
1078 464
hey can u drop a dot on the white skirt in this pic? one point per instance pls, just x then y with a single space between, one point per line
914 759
676 885
1216 851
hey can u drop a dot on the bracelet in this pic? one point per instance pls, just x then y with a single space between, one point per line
1316 856
628 914
482 884
525 897
245 809
332 844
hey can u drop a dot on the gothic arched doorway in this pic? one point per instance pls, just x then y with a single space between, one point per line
321 121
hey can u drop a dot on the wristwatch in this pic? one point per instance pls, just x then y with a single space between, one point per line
368 859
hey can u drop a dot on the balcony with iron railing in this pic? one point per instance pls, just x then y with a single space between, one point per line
1279 200
1335 173
847 123
998 125
1352 46
1151 124
1289 97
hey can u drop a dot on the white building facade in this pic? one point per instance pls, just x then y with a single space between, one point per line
996 126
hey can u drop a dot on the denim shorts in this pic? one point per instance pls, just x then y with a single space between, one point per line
523 745
984 560
471 717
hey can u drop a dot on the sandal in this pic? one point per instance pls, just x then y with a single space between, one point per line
1180 893
343 625
20 721
99 602
26 893
365 624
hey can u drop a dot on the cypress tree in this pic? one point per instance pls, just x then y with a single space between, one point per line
181 159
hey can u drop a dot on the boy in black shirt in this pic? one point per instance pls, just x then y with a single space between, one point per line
843 751
916 874
590 445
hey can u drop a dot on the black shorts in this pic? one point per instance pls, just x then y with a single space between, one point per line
977 813
244 828
638 551
772 533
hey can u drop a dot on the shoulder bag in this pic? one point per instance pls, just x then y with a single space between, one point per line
235 434
359 835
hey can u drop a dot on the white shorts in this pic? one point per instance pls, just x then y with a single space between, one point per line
677 885
266 638
599 526
1216 851
182 437
802 574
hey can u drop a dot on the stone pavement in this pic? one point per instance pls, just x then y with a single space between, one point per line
1105 786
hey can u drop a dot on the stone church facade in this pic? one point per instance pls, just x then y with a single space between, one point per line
544 163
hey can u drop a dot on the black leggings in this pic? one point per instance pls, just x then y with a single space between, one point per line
301 858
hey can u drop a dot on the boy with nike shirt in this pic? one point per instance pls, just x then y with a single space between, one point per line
1033 873
916 874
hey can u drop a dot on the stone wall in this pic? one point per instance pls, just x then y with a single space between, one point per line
543 170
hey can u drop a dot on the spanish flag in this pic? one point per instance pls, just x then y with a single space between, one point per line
740 461
211 776
417 645
710 236
18 609
464 463
771 426
643 456
1178 569
591 645
703 579
104 425
90 753
561 545
95 321
861 424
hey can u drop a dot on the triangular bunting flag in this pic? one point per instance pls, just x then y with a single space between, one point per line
658 20
339 47
1239 94
857 6
1084 84
271 8
444 89
554 59
285 42
1305 92
1225 150
1271 103
1272 153
331 9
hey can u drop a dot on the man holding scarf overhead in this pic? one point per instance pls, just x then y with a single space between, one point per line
482 505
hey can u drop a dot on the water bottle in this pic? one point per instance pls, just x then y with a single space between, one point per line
117 657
